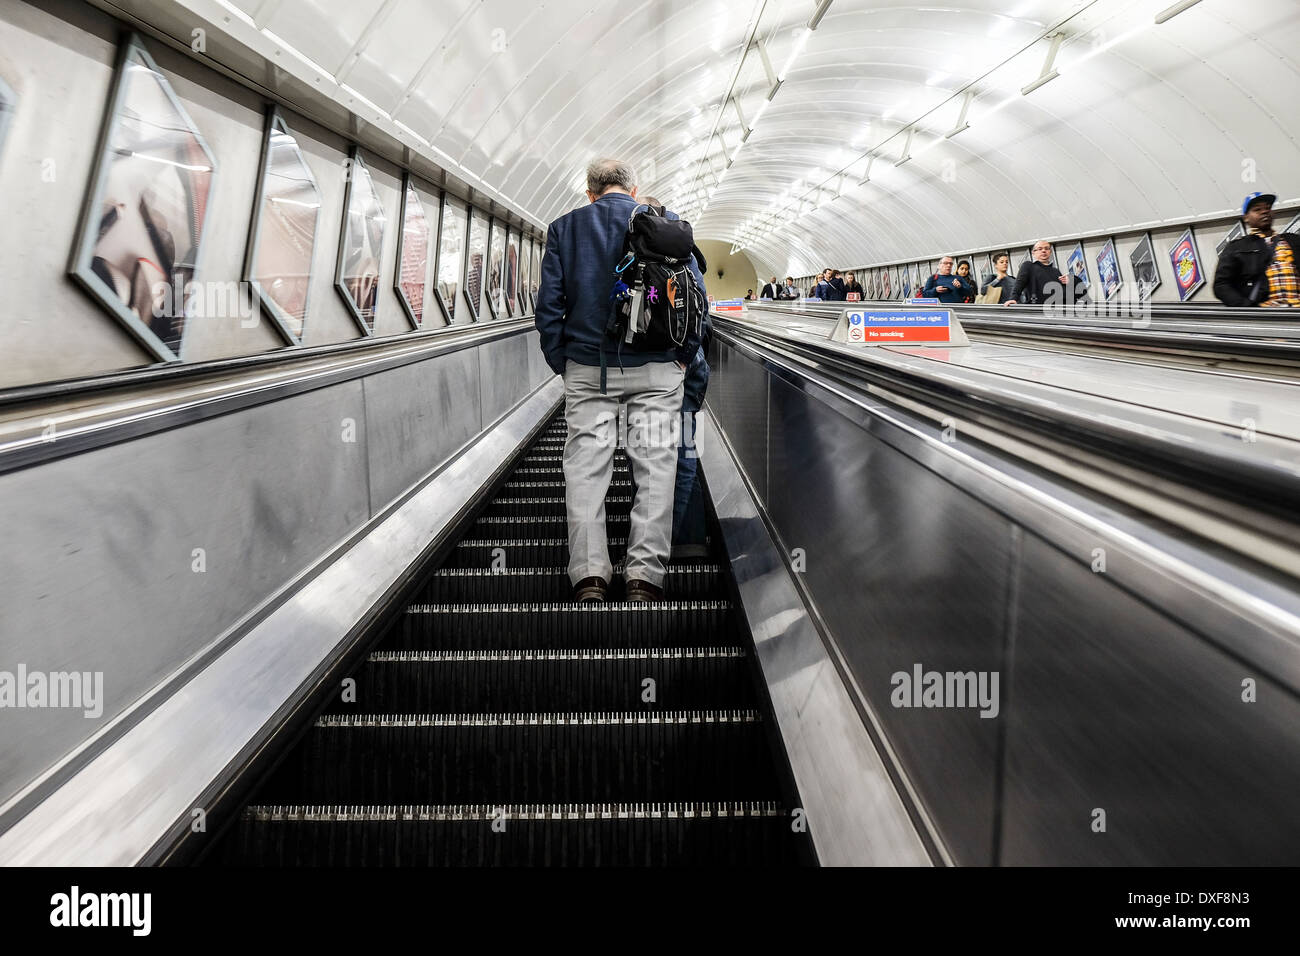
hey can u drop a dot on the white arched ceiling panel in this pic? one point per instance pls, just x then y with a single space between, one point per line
1145 122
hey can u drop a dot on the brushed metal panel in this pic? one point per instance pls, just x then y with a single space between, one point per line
905 569
738 393
139 792
538 370
97 572
415 417
855 815
503 370
1118 707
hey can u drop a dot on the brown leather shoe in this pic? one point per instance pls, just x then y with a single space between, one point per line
590 589
643 591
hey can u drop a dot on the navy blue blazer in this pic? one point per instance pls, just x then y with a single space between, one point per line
573 296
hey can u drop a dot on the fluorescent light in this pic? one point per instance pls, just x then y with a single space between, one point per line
799 45
1171 12
818 14
1041 81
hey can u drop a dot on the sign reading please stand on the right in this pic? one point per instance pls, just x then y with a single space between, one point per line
899 327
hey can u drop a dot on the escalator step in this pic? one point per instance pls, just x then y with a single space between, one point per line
605 679
640 834
549 506
551 584
610 757
614 624
521 552
547 526
556 487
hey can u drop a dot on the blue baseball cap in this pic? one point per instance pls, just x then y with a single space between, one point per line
1257 197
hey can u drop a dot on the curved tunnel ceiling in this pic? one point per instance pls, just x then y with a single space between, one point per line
1146 121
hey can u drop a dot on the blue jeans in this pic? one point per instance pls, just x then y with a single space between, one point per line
688 504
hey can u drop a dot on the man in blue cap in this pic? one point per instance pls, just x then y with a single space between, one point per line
1260 268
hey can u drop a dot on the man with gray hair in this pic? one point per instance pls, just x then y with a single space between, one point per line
583 247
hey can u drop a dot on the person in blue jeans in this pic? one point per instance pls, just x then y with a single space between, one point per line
689 533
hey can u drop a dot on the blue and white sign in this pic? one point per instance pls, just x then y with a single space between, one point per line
900 327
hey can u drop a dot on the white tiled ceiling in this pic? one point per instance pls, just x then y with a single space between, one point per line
1145 122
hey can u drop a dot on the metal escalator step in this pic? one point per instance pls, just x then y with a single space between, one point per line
571 834
553 487
613 624
599 757
555 473
549 506
601 679
685 582
548 526
521 552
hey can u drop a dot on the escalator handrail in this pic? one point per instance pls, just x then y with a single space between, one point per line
1257 482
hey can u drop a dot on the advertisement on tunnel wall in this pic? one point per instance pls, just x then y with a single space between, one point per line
1236 232
1077 264
138 248
1108 270
1186 260
286 219
1145 272
7 104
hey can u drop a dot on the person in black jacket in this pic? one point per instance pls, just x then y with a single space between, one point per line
969 292
1000 279
1259 268
1041 283
770 290
852 285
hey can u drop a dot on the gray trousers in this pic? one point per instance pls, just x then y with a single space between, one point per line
652 394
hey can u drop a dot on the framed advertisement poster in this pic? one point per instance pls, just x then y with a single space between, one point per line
1145 272
282 241
1293 226
451 257
1236 232
1186 261
476 266
906 283
886 285
538 252
1076 264
8 103
1108 270
512 274
415 249
495 276
144 221
356 273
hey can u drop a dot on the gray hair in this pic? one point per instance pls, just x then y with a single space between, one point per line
604 173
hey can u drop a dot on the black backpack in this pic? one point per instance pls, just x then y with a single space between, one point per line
656 304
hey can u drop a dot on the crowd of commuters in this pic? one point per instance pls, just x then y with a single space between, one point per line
1259 268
